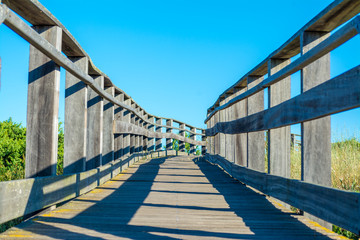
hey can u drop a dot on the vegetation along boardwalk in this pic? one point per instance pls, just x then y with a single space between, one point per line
171 198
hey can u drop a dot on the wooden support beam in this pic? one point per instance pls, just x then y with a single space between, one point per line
316 134
42 108
256 140
193 137
169 124
108 136
75 120
94 135
241 139
158 144
279 139
151 140
204 148
182 134
119 138
126 137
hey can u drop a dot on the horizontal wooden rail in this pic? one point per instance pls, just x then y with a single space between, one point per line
22 197
345 33
339 207
337 13
121 127
343 90
25 31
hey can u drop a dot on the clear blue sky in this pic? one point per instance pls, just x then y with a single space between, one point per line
173 57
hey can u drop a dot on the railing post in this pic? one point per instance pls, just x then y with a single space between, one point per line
217 136
94 133
169 124
204 148
108 136
132 136
240 140
137 137
279 138
222 137
145 139
316 134
256 140
43 107
119 142
158 129
151 141
75 120
193 137
126 137
229 138
182 133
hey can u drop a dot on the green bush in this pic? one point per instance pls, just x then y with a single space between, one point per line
12 150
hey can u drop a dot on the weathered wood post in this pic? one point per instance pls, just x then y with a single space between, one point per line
132 136
256 140
43 107
145 126
229 138
151 128
222 138
158 144
279 138
217 136
75 125
108 130
316 134
193 137
240 140
182 134
94 133
169 124
203 148
126 137
119 138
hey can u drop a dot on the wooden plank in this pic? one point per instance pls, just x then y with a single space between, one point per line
279 139
336 39
126 137
42 108
222 139
255 140
182 134
229 139
108 134
344 90
336 206
151 140
171 198
75 120
94 126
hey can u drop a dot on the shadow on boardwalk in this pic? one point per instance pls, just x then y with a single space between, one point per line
111 217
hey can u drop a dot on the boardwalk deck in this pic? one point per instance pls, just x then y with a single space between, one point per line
172 198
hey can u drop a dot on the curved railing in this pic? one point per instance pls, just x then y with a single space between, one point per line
105 129
237 121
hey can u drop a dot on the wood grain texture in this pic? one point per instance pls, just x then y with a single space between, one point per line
94 133
336 206
336 95
42 107
279 138
75 120
170 198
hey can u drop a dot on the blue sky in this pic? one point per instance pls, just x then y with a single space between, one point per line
173 57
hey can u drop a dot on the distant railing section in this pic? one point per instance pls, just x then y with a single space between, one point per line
236 123
103 125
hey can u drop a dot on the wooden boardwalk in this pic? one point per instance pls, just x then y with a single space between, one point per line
173 198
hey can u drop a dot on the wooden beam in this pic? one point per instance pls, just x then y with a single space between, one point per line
108 134
94 134
344 90
42 108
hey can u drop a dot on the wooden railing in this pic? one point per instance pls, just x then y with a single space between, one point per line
105 129
238 119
